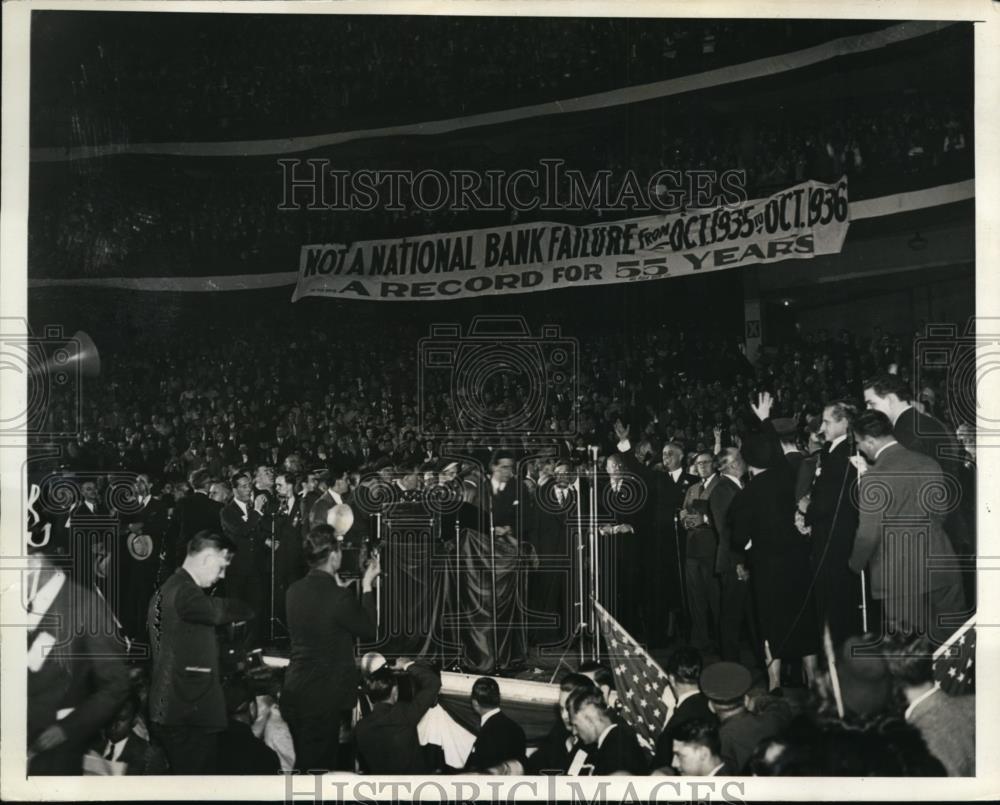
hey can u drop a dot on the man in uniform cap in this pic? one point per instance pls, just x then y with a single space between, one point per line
744 723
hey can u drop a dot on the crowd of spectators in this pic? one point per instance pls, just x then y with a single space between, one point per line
220 78
204 217
167 406
170 407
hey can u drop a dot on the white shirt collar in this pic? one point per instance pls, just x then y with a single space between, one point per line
497 486
883 447
918 700
119 747
736 481
242 504
837 441
603 735
336 496
715 771
488 715
676 474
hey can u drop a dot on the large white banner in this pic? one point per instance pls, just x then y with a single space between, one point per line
804 221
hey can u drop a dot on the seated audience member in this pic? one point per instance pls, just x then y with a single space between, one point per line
386 737
121 744
683 669
603 677
948 723
726 685
560 751
500 738
240 751
697 749
612 745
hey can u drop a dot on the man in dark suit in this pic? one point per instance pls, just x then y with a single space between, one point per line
624 531
554 512
186 703
506 505
289 530
832 520
683 669
314 485
701 547
77 678
387 737
697 749
561 748
786 429
92 528
325 617
662 559
921 433
195 512
500 738
339 493
730 564
612 745
242 521
119 743
762 518
898 534
141 542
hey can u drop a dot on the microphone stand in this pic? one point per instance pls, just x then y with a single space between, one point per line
378 587
456 615
580 629
864 605
594 558
680 573
493 581
581 602
274 619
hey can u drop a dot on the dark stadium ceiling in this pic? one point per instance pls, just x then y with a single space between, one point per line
138 77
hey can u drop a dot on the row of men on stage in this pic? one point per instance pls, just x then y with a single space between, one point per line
734 547
775 543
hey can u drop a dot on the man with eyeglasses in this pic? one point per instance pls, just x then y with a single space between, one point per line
699 564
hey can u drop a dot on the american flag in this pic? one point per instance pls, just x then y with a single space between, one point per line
644 697
955 661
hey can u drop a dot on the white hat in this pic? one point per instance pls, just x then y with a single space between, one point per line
371 662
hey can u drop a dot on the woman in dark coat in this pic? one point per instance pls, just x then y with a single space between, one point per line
763 518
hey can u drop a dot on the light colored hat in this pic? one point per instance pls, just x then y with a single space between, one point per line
371 662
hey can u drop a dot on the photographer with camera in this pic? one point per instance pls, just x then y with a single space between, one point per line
324 619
